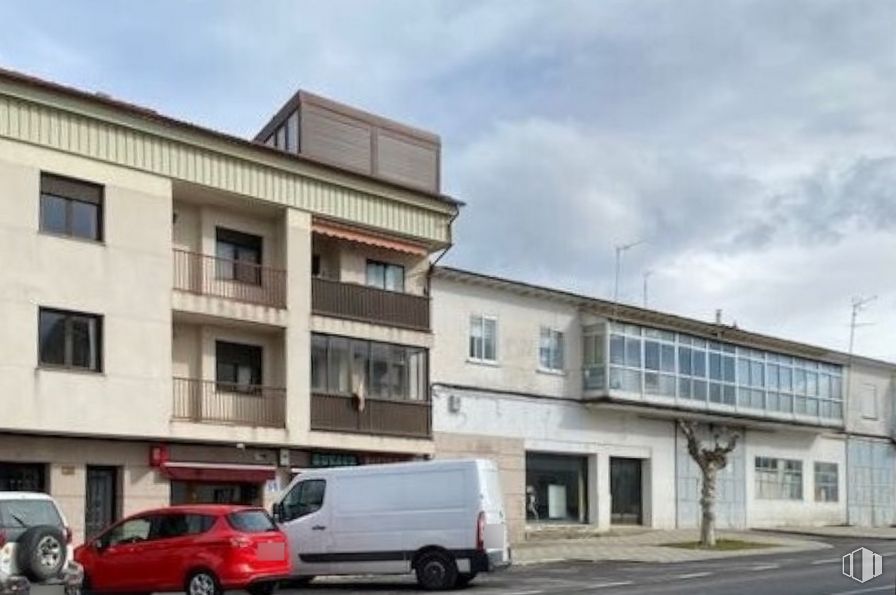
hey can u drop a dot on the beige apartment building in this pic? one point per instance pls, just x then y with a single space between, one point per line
188 316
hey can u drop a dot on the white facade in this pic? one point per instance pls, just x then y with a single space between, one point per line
788 469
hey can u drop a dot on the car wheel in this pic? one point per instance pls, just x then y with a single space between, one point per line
436 571
266 588
463 579
41 553
203 582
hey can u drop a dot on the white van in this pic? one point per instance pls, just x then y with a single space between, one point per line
443 520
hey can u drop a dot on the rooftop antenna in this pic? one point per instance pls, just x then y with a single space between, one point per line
620 248
858 304
647 275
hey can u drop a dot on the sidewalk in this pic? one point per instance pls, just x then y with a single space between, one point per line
647 547
837 531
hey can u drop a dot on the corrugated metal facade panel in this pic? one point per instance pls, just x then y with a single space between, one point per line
53 128
406 161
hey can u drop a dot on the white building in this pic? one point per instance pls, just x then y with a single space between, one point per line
580 412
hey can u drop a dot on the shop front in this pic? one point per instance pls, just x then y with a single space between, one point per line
556 488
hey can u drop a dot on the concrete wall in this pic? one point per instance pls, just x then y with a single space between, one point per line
126 278
519 322
564 427
510 456
870 400
808 447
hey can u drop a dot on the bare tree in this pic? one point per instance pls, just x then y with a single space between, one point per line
710 460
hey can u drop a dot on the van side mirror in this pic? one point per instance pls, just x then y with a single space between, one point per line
277 511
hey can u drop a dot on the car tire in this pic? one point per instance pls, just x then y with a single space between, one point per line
265 588
41 553
436 571
463 579
202 582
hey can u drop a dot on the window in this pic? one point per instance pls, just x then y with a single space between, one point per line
826 482
315 265
303 499
71 207
779 479
237 366
22 477
239 256
483 338
385 275
168 526
251 521
869 401
340 366
131 531
550 349
556 488
70 339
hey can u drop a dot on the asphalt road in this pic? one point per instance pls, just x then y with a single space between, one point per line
809 573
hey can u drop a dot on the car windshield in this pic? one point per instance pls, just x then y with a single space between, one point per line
18 515
251 521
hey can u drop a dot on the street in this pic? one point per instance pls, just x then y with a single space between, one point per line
808 573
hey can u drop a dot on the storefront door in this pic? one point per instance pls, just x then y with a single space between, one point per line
101 506
625 491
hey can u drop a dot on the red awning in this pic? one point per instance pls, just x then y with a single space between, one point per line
218 473
334 230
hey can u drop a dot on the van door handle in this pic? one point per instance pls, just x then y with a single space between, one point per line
319 528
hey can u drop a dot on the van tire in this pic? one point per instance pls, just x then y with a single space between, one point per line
297 582
436 571
42 552
464 579
263 588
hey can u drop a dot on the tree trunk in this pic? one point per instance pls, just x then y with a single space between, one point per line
708 506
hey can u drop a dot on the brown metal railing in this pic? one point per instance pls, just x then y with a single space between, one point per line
222 402
369 304
380 416
232 279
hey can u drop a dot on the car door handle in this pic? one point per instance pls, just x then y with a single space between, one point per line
319 528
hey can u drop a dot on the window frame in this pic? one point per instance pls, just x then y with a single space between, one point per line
71 190
241 270
68 341
556 350
482 319
823 484
256 382
386 267
300 487
774 479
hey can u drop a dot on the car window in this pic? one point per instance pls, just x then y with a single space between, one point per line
251 521
167 526
17 516
131 531
303 499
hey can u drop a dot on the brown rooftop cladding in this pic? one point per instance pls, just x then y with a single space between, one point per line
346 137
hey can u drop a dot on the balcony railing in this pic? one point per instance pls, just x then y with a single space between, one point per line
410 419
231 279
369 304
221 402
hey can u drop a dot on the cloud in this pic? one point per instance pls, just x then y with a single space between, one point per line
751 143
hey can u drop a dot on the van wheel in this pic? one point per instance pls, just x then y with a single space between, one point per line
203 582
436 571
463 579
266 588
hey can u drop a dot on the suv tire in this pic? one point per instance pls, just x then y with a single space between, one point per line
42 553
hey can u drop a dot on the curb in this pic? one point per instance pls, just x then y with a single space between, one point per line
822 534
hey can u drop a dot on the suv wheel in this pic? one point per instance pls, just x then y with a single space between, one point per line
203 582
42 552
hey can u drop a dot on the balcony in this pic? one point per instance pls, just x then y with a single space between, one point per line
240 281
369 304
407 419
207 401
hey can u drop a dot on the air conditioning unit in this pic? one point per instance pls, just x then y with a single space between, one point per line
453 403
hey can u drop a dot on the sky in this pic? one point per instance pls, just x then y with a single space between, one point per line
751 145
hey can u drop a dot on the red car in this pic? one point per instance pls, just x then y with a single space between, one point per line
200 549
